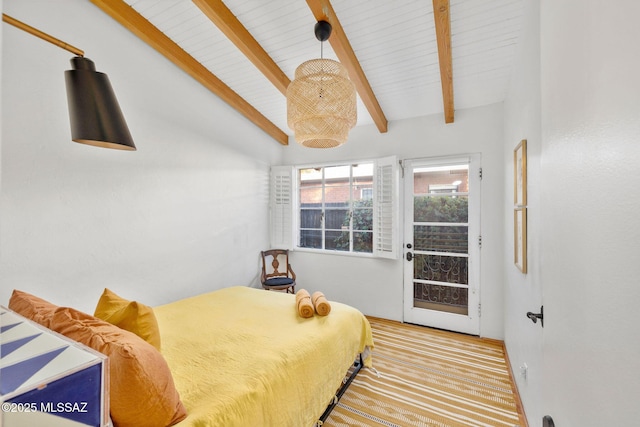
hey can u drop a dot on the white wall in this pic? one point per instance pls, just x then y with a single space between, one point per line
375 285
591 241
523 292
184 214
584 147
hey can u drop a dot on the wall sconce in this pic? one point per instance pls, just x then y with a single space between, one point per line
94 112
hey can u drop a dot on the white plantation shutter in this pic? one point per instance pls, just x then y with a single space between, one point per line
385 213
281 207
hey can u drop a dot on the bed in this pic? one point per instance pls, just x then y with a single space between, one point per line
234 357
244 357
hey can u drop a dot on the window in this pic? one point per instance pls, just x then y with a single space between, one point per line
341 208
333 213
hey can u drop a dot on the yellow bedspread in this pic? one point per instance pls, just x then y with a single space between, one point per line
243 357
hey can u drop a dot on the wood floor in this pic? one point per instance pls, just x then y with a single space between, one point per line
425 377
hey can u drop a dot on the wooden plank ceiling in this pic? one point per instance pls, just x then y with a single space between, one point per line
397 52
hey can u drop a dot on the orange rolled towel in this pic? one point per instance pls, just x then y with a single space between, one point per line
320 303
303 304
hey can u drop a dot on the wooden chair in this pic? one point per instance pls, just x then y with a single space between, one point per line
272 278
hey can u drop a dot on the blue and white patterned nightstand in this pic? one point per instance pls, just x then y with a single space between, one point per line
47 379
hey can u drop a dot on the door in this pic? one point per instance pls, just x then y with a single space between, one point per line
442 241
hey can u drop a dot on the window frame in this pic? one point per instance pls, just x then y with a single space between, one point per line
324 208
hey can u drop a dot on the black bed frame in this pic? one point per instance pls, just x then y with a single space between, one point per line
353 371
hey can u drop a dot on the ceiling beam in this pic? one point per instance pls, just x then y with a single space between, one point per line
322 10
227 22
138 25
443 36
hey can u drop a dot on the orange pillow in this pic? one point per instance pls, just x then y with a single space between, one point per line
142 392
32 307
129 315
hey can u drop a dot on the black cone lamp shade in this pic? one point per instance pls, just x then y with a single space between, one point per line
94 112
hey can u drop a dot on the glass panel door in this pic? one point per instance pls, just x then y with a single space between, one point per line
441 232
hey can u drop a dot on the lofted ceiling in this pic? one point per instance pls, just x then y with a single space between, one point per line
405 59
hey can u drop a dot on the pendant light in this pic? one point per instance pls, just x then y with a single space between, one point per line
321 100
94 112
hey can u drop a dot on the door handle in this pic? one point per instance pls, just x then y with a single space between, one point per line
409 256
535 316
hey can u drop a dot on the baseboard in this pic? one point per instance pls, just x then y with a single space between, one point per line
521 414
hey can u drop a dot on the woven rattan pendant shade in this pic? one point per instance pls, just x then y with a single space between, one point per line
321 104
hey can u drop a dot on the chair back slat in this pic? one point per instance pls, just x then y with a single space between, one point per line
275 263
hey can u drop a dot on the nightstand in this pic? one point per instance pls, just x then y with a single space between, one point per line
48 379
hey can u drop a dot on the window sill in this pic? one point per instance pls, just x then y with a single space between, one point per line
338 253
